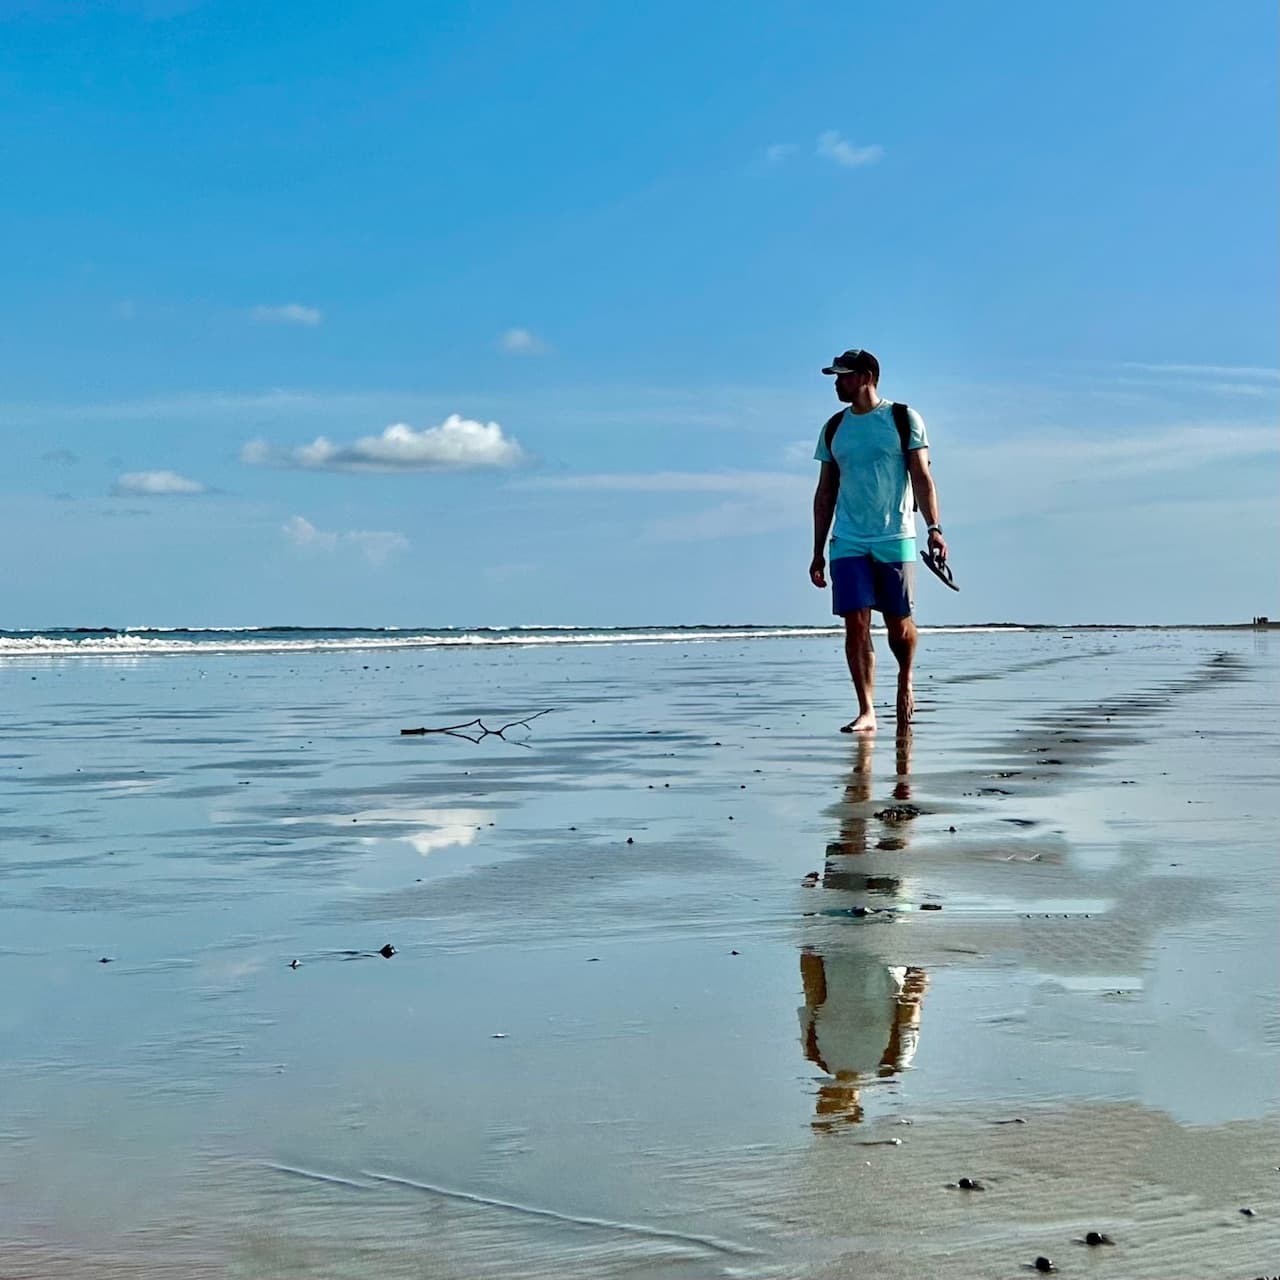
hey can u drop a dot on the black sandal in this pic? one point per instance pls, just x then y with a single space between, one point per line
939 568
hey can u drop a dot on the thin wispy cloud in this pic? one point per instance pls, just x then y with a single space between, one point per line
1064 471
1064 456
751 501
60 457
289 313
1206 370
457 444
779 152
522 342
740 482
832 146
155 484
376 545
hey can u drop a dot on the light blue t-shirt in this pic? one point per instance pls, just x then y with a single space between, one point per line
874 514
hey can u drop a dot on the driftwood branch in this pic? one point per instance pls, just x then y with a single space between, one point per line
458 730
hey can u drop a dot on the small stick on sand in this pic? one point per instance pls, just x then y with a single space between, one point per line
455 730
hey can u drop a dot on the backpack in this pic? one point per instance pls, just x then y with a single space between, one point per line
900 420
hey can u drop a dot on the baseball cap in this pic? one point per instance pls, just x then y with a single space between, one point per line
855 360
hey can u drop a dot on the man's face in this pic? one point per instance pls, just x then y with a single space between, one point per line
848 384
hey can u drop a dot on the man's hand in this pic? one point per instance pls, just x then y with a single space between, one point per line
938 545
818 571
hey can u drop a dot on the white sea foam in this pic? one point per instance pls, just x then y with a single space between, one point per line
157 643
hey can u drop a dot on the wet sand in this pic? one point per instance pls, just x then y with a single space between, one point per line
682 987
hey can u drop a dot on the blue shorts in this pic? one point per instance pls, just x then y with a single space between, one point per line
863 582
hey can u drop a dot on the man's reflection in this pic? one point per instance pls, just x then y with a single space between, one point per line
861 1017
860 1022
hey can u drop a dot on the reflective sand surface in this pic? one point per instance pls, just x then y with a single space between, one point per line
671 974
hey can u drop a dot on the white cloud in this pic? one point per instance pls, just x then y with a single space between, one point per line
376 545
289 313
831 146
522 342
302 533
779 152
457 444
154 484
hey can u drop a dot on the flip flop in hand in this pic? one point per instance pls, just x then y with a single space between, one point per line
939 567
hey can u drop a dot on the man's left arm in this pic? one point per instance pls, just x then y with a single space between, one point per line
927 498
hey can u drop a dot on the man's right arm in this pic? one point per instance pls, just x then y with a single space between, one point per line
824 510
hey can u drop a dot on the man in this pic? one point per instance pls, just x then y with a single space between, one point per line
867 480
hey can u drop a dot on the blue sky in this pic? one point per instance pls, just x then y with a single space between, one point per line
587 260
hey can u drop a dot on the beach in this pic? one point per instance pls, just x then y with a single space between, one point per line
683 982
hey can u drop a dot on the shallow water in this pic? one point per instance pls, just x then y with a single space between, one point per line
588 1056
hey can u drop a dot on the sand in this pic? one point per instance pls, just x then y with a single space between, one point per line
742 1044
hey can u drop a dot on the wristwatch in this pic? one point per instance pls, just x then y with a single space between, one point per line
935 528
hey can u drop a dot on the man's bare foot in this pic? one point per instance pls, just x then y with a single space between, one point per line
906 704
865 723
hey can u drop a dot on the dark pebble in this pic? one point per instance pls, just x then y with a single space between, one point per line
970 1184
630 840
295 964
105 960
733 953
952 830
931 906
1044 1264
898 813
1248 1213
386 951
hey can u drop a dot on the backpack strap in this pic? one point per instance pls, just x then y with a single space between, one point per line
829 434
902 420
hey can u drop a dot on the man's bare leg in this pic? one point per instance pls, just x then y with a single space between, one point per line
902 641
862 667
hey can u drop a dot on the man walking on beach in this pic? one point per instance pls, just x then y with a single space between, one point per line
874 456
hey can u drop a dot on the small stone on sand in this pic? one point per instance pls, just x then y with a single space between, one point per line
386 951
